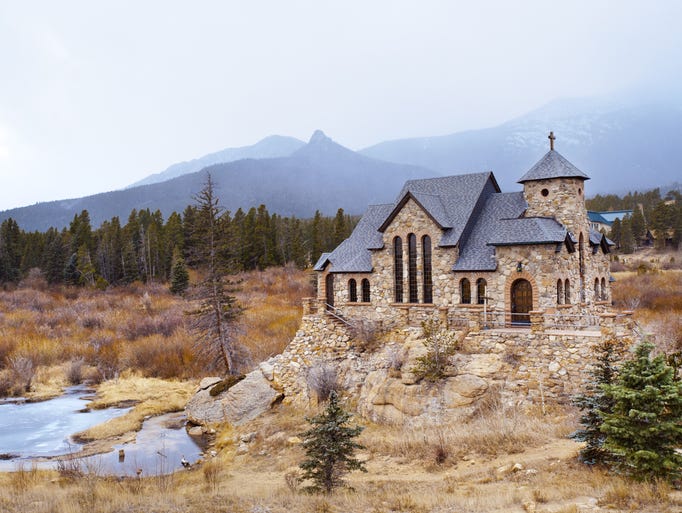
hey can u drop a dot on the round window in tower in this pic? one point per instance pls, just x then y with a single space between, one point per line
544 192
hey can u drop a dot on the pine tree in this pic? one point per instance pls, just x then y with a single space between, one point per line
330 448
594 403
179 274
645 426
627 244
214 319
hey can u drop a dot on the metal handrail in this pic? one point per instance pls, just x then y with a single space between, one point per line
334 312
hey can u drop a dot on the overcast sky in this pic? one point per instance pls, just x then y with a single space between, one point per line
97 95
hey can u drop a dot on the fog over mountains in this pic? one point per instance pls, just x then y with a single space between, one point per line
270 147
621 146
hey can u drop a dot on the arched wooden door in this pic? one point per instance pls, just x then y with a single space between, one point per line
521 301
329 289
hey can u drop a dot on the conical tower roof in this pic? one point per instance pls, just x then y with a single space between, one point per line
552 165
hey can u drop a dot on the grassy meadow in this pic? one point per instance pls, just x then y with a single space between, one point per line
135 343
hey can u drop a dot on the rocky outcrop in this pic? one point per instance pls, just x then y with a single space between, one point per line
242 402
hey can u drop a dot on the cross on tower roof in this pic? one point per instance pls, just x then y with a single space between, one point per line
551 140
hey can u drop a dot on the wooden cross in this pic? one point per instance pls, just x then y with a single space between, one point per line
551 140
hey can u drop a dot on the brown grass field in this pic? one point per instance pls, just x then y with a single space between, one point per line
466 467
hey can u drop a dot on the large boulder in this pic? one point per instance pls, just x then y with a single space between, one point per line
240 403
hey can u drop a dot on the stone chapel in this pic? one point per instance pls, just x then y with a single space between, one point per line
457 245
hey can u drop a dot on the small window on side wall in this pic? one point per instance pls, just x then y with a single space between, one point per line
365 291
465 291
481 286
352 291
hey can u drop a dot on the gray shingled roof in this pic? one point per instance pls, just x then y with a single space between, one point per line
353 254
552 165
527 230
321 262
476 254
452 198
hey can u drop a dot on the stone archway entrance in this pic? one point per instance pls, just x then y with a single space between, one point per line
329 290
521 301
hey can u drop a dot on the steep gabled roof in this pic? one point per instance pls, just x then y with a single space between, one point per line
477 254
552 165
449 200
353 254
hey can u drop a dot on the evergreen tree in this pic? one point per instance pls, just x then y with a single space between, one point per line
215 318
54 257
330 448
645 426
638 225
10 251
594 403
339 227
179 275
627 243
616 233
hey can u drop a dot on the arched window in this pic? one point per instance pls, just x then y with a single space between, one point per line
398 269
465 291
559 292
604 292
428 277
480 291
412 267
567 292
597 292
365 291
352 291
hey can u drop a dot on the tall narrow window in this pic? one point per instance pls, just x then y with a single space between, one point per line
567 292
597 292
428 277
412 267
559 292
604 293
365 291
398 269
465 291
480 291
352 291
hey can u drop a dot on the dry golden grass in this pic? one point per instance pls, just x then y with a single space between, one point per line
150 397
138 327
273 309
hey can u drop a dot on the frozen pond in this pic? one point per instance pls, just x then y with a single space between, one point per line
43 429
36 430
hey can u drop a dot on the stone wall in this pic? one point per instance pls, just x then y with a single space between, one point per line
525 365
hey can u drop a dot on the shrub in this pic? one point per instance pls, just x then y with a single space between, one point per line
322 379
23 369
74 371
365 333
440 344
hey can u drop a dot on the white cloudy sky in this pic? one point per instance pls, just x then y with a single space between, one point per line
97 95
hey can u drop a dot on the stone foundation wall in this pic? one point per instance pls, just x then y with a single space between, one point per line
528 365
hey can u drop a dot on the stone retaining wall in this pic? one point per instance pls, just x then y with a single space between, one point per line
528 365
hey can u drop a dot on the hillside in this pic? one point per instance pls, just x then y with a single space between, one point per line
321 175
621 146
270 147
